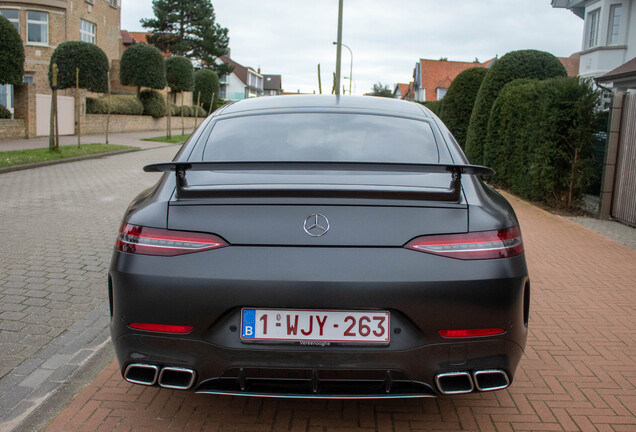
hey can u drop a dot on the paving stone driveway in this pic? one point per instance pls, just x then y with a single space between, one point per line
57 230
578 374
579 371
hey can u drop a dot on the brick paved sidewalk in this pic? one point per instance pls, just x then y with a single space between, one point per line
578 374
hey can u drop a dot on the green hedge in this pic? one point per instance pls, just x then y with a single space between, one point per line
154 103
4 112
89 58
459 102
207 82
514 65
188 111
142 65
11 54
544 133
119 104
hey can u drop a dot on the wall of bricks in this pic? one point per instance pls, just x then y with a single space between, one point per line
11 129
96 123
25 110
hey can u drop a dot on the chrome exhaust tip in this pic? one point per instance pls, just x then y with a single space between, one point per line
176 378
454 382
491 379
139 373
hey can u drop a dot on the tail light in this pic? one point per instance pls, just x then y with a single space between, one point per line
162 328
468 333
504 243
154 241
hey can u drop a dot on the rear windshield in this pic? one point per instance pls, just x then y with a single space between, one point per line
321 137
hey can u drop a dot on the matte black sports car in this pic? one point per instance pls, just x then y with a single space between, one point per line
320 246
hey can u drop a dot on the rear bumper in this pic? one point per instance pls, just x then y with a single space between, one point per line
208 289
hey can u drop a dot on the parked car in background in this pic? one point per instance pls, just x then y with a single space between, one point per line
320 246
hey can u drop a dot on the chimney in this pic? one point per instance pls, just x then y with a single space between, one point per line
259 70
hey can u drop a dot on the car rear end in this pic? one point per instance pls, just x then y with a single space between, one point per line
333 281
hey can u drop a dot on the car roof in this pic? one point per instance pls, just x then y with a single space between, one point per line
293 102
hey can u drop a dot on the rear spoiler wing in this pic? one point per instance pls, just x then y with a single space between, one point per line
451 194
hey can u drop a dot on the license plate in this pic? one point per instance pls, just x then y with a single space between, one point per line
314 326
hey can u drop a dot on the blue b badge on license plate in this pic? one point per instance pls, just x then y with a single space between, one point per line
248 323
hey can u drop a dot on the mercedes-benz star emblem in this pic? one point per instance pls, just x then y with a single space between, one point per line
316 225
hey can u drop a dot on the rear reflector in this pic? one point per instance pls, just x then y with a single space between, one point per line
136 239
503 243
465 333
161 328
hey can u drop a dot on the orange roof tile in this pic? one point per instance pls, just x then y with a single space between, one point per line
440 73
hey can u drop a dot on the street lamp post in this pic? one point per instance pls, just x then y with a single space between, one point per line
338 48
351 65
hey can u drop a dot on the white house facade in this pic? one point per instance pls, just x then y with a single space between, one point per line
607 39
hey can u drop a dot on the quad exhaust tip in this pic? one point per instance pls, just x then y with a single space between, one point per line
168 377
491 379
454 382
176 378
464 382
139 373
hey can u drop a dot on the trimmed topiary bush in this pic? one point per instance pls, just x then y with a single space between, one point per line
546 131
4 112
154 103
179 74
459 102
142 65
119 104
11 54
89 58
206 82
516 64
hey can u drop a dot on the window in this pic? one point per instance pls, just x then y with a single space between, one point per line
321 137
37 27
115 3
6 96
87 31
441 92
592 28
614 24
27 79
13 16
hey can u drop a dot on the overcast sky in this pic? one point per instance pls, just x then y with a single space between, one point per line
291 37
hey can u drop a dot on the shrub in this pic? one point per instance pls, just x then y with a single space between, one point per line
459 102
201 112
154 103
179 74
546 129
11 54
119 104
142 65
88 57
4 113
516 64
175 110
206 82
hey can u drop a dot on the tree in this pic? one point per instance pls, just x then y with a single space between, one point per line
188 28
88 58
80 65
142 65
381 90
514 65
11 54
459 102
207 82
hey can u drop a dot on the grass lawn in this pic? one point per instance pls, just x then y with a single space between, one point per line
174 140
21 157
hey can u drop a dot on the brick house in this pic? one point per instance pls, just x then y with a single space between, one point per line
44 24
